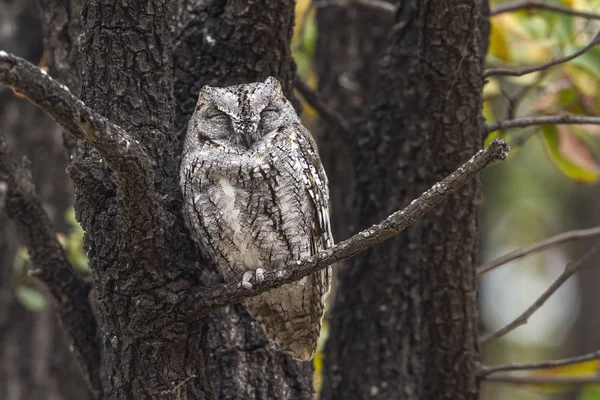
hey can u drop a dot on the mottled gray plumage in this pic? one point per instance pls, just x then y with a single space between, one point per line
255 197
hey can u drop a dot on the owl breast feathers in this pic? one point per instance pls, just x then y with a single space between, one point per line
255 196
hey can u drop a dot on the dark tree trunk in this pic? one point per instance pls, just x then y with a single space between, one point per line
35 361
404 315
148 351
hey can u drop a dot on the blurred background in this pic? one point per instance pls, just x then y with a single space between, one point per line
549 186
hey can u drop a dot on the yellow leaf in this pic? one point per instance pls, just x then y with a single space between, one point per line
570 153
498 46
581 369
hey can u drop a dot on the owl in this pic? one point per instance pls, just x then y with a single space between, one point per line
256 198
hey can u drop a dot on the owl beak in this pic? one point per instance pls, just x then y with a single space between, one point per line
247 131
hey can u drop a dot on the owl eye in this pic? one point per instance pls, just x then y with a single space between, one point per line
269 112
217 116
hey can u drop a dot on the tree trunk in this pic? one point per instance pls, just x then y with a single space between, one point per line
35 360
405 310
148 351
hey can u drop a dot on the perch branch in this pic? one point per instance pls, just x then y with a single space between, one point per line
544 120
122 153
68 289
205 298
326 112
542 5
485 370
528 70
570 269
559 239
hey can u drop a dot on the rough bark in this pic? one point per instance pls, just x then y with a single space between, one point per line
217 43
349 38
36 361
405 310
148 351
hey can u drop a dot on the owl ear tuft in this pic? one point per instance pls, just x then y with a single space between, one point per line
274 83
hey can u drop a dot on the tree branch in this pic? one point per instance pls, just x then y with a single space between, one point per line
123 154
542 5
528 70
374 5
540 380
326 112
206 298
485 370
68 289
377 5
570 269
559 239
544 120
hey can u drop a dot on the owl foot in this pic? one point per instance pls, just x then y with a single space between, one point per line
258 275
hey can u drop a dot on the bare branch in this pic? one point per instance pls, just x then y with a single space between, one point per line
540 380
374 5
570 269
485 370
542 5
544 120
122 153
68 289
67 110
205 298
528 70
559 239
377 5
326 112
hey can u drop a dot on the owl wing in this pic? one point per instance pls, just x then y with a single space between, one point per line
315 180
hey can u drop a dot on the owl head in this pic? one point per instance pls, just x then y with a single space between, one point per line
242 114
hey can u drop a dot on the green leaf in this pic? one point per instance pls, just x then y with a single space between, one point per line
562 28
30 298
573 157
590 392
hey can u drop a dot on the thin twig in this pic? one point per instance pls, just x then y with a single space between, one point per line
528 70
559 239
542 5
570 269
485 370
377 5
542 380
543 120
326 112
205 298
68 289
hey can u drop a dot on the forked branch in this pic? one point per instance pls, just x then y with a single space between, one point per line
122 152
205 298
68 289
557 240
528 70
570 269
542 5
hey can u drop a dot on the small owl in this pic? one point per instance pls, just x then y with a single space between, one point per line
256 198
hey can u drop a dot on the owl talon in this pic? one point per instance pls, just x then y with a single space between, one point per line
260 275
246 278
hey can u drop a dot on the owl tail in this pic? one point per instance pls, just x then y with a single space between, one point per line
291 316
